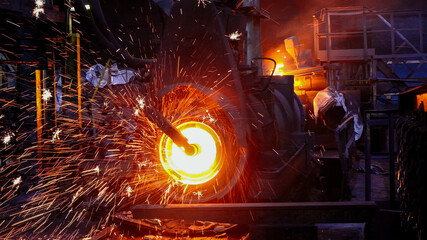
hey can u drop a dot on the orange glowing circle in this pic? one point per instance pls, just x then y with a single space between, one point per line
200 167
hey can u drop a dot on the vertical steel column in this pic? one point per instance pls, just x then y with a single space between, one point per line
391 159
328 47
54 88
367 158
253 29
393 40
328 37
374 63
316 37
365 37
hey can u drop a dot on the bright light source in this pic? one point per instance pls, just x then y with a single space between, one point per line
87 6
234 36
198 168
46 95
38 9
72 9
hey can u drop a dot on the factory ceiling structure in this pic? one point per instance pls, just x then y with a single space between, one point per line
230 119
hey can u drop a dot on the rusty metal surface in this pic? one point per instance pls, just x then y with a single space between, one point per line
265 213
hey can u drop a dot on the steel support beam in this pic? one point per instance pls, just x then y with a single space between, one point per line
262 213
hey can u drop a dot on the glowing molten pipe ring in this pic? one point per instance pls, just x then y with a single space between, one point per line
200 167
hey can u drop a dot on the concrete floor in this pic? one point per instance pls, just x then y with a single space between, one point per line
380 180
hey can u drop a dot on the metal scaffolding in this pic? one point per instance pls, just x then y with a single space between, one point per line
358 46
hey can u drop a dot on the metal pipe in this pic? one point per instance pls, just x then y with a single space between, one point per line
253 29
39 111
79 83
167 128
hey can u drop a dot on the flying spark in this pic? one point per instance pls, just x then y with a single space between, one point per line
203 2
46 95
8 138
70 181
96 169
39 8
17 181
141 102
234 36
129 191
199 194
56 135
208 117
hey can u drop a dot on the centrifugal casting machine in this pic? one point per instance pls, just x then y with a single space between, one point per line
228 132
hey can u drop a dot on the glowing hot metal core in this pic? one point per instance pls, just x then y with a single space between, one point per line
200 167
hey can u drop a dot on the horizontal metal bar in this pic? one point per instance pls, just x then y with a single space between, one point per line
385 30
262 213
18 62
398 55
401 80
378 122
414 12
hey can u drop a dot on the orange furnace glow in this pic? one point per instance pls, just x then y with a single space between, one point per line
200 167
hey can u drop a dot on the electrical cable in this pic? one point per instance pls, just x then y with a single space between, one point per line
272 72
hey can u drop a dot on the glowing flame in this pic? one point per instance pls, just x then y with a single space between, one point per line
278 71
196 169
422 98
278 56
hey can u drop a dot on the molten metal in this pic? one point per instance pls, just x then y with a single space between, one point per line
199 167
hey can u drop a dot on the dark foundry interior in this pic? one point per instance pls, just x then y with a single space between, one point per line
213 119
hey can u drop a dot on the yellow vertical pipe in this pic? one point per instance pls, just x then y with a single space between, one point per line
39 110
79 84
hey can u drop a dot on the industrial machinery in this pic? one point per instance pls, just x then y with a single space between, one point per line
227 132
